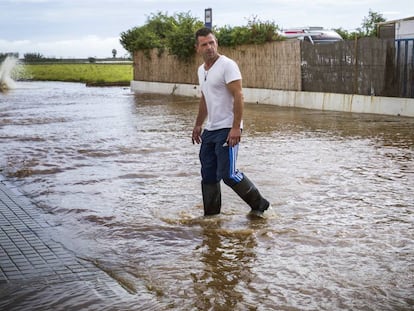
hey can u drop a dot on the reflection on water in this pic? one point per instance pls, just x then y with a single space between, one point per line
228 258
118 178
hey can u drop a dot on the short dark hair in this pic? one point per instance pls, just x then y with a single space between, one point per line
203 32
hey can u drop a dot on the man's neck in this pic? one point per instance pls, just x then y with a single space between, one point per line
208 64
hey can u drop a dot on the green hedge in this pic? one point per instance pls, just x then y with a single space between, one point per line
175 34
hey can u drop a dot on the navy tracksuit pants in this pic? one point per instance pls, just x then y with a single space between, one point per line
218 160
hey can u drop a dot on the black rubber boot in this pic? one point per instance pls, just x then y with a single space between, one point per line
211 198
249 193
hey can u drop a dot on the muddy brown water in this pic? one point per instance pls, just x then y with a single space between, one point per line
117 177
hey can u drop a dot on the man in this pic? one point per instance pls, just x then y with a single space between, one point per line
221 104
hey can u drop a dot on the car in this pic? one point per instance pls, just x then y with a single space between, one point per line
314 35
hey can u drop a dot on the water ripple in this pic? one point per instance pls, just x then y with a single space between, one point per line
116 174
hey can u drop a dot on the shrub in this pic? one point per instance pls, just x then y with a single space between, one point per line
181 39
176 34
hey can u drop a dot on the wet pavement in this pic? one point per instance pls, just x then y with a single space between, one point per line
31 261
27 252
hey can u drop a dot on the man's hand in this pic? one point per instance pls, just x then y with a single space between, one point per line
234 137
196 136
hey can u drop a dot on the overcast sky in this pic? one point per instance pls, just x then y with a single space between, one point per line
91 28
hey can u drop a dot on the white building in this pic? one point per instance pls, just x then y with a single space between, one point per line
397 29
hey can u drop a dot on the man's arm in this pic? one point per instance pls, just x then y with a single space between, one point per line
201 116
235 88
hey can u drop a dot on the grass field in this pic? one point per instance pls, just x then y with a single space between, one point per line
87 73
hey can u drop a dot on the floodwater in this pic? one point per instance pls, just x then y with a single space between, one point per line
117 177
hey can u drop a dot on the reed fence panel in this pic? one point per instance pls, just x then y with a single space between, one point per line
367 66
271 66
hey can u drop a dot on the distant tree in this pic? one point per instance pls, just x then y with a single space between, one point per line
368 29
346 35
4 55
114 53
369 23
92 60
33 57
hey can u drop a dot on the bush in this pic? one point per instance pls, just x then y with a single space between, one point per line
256 32
181 39
176 34
150 36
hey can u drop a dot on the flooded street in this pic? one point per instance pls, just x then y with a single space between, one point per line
117 177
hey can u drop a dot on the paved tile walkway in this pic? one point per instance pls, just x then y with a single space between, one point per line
26 250
30 258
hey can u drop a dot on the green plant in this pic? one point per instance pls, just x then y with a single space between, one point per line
224 36
256 32
369 27
180 39
176 34
150 36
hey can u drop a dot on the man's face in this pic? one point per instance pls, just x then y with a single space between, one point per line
207 46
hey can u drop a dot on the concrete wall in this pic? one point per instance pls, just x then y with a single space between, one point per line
310 100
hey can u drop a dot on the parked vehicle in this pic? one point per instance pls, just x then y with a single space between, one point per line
314 35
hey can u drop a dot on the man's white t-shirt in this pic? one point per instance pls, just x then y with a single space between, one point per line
213 83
